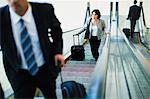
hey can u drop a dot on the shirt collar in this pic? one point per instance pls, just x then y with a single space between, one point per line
26 17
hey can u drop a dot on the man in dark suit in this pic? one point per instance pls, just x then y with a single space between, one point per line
29 56
134 14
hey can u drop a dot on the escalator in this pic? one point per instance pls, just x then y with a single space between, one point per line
119 73
124 74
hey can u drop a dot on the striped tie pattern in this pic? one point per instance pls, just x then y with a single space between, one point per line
28 50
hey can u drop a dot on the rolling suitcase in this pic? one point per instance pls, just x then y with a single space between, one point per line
77 51
126 32
126 29
72 89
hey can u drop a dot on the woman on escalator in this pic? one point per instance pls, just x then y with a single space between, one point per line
95 30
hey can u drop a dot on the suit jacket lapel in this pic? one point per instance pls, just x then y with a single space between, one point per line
40 27
9 39
9 33
9 28
37 20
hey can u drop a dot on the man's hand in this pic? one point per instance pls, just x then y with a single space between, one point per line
59 60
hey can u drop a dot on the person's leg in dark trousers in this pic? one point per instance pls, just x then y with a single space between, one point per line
26 85
94 43
46 83
133 22
42 80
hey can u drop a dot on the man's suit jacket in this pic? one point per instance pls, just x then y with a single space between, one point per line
134 12
46 22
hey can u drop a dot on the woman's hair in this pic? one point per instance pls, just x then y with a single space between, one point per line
97 12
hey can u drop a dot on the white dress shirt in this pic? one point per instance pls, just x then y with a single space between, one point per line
31 27
94 30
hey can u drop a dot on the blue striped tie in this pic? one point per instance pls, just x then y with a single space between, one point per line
28 50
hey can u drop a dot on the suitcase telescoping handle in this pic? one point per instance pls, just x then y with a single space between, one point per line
74 39
61 78
58 65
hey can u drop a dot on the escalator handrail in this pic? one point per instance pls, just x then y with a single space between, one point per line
142 10
68 31
142 28
98 81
